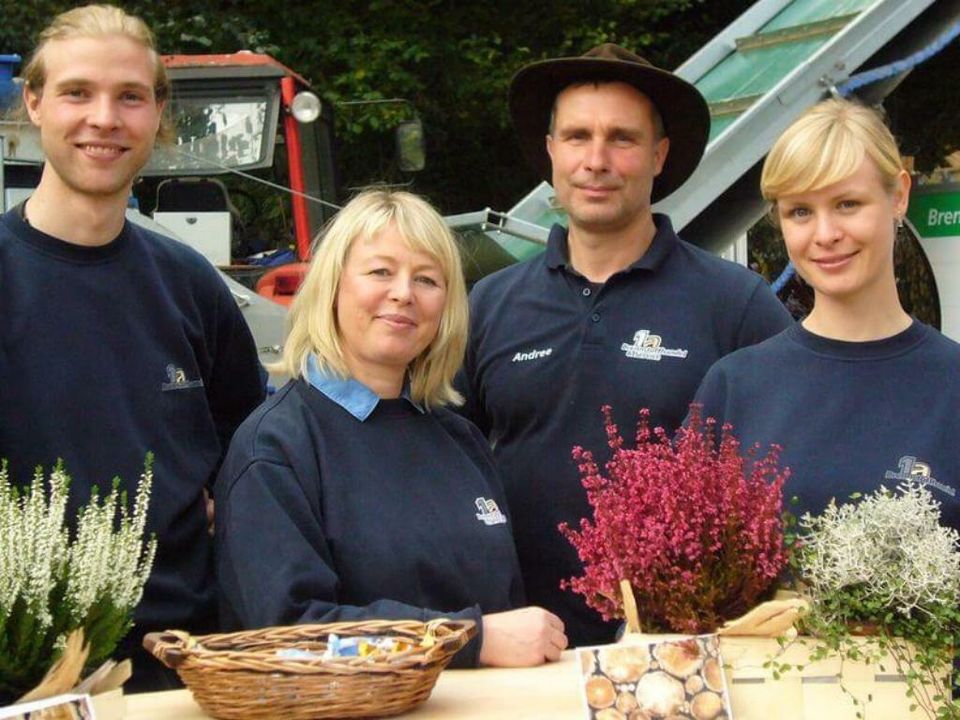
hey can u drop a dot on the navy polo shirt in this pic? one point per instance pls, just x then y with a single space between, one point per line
548 349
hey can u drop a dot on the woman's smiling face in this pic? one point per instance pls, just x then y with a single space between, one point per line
840 237
389 304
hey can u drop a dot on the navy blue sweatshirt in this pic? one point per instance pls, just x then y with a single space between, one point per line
850 416
327 511
548 348
109 352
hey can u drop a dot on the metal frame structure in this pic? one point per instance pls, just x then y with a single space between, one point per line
736 151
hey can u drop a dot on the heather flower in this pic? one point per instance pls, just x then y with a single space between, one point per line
52 583
694 525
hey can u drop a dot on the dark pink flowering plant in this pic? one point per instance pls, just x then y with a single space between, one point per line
695 526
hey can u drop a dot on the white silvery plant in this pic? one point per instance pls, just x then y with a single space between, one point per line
885 566
57 575
891 545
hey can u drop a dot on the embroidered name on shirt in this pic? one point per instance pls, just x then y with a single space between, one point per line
646 346
913 469
532 355
177 380
489 512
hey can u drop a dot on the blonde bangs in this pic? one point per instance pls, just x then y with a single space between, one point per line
827 144
810 156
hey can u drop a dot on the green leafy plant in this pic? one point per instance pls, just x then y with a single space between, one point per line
884 567
57 576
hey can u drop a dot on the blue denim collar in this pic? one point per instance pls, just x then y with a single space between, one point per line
352 395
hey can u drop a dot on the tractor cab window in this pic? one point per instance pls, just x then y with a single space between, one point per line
218 131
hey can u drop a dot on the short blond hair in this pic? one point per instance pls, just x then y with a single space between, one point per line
827 144
97 21
313 316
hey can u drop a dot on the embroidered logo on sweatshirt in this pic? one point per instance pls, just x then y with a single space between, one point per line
489 512
913 469
647 346
177 380
532 355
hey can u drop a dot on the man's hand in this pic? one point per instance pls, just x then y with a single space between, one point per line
521 638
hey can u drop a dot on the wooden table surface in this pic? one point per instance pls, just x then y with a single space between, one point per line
548 691
807 691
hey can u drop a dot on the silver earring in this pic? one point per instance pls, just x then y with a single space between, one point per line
899 223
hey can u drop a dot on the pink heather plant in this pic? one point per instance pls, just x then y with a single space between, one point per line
694 526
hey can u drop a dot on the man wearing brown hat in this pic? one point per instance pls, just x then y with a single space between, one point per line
618 311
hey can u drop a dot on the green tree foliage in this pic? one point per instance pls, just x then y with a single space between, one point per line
452 61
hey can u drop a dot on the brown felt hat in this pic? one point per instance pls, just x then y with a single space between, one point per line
686 118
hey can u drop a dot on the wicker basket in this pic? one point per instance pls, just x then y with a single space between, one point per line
238 675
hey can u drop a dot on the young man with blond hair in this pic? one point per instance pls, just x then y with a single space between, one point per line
117 341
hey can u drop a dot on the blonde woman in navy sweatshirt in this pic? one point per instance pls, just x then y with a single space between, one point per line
354 492
859 394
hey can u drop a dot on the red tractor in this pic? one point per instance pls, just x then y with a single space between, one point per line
252 168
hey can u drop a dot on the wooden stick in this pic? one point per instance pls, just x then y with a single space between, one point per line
630 607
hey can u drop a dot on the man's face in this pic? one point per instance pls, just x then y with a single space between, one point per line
97 114
605 154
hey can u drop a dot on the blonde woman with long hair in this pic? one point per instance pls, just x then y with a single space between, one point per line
355 492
